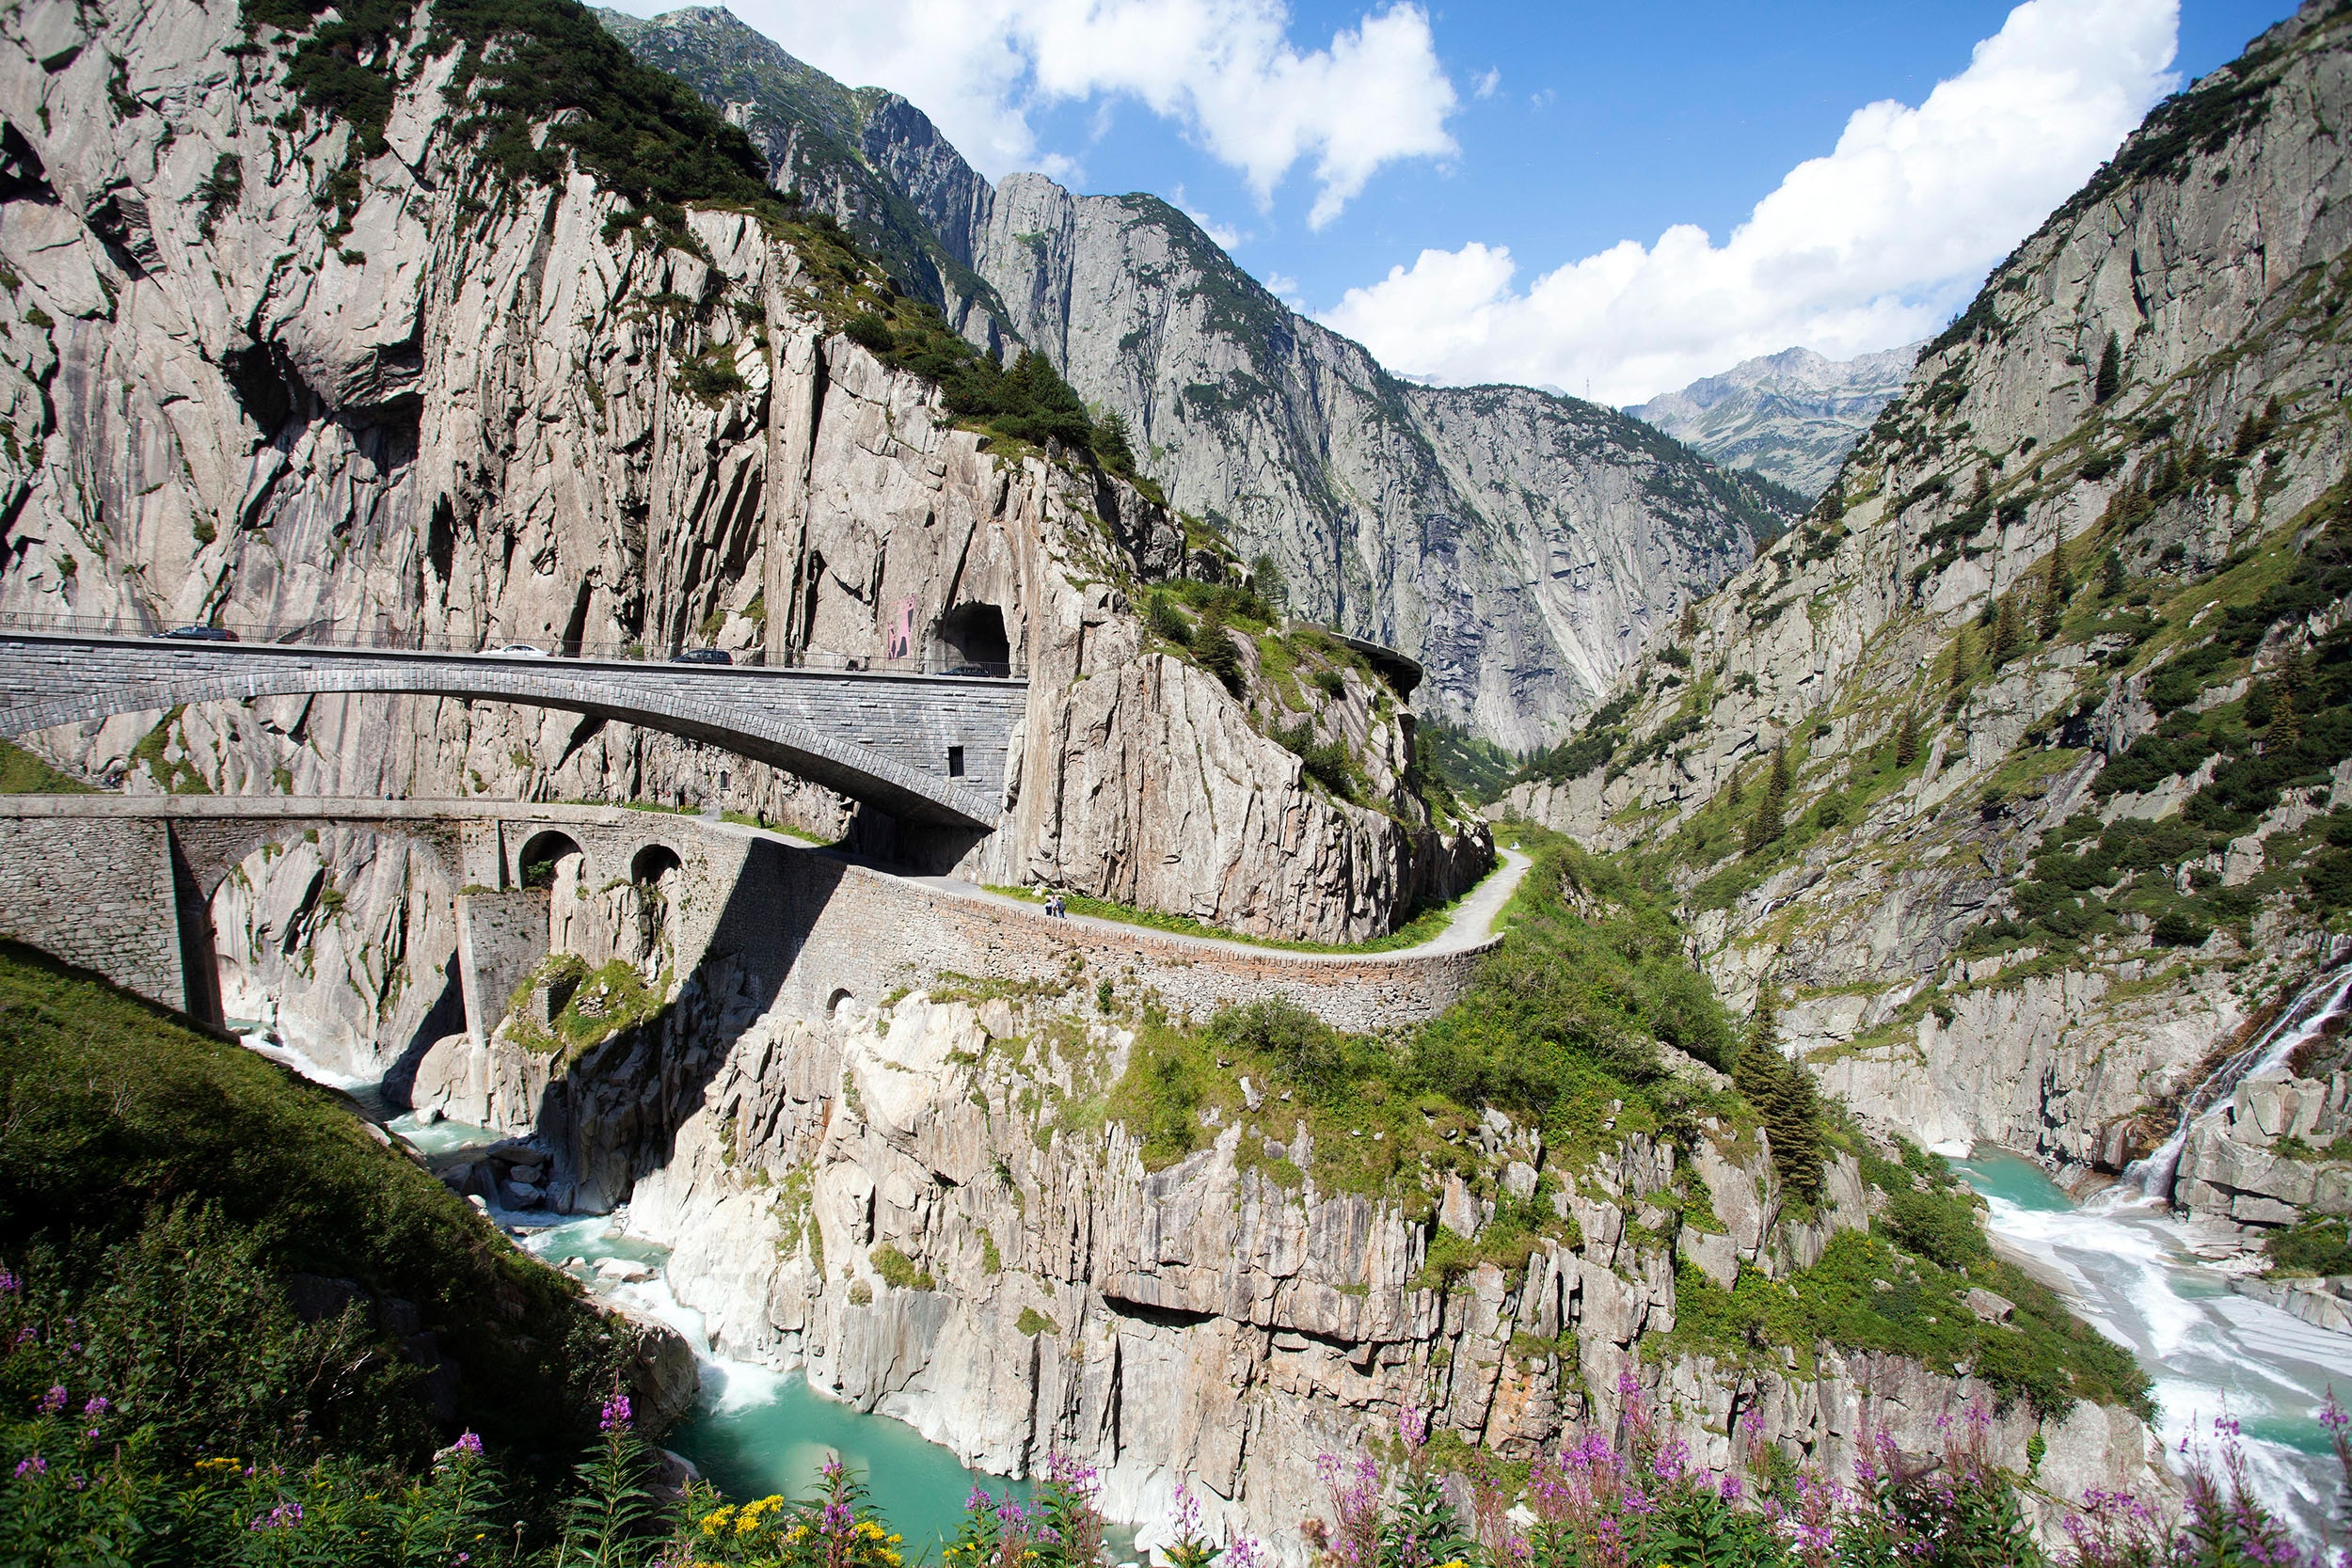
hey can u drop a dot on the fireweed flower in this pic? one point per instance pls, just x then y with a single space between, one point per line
32 1466
53 1400
10 1284
98 1406
284 1517
1412 1424
616 1413
468 1442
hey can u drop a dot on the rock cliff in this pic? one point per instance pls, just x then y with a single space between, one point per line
924 1206
1791 416
1521 545
2012 774
289 363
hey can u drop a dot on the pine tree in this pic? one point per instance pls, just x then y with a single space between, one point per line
1689 627
2286 725
1768 824
2008 631
1782 1093
2056 591
1960 660
1907 739
2111 576
2110 379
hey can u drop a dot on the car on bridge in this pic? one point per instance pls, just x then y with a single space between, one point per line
702 655
201 634
523 650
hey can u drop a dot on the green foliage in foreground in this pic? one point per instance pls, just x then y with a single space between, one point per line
142 1157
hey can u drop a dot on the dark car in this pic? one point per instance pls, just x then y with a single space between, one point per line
201 634
702 655
971 670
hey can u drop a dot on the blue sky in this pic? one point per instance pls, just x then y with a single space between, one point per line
1564 193
1650 115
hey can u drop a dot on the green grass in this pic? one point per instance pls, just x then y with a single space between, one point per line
597 1005
23 773
1425 924
122 1118
2048 1358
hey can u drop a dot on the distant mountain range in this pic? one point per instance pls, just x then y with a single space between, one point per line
1790 417
1523 546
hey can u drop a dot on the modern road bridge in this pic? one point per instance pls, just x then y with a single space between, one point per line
927 749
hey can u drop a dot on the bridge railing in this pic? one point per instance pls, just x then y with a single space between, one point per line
327 633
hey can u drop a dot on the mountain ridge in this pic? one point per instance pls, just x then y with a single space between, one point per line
1522 571
1790 417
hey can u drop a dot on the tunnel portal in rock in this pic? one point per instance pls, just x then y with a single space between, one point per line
971 637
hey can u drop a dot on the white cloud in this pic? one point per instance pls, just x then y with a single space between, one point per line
1872 245
1487 83
1227 238
1224 69
1285 288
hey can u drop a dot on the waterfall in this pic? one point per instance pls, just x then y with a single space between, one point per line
2305 1016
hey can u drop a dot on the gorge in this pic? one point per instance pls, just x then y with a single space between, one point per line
673 585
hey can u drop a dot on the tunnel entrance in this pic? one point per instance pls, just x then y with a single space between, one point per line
972 641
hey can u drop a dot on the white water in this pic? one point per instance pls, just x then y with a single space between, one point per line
2302 1023
2123 1265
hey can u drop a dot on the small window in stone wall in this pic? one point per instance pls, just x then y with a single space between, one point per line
955 762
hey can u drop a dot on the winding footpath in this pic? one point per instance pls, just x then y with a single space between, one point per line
1470 926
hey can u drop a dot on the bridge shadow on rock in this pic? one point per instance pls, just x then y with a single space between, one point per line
611 1116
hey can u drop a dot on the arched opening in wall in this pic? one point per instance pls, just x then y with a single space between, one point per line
972 641
543 856
838 999
650 910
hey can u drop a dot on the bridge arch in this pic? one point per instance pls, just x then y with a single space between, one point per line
885 739
652 862
541 860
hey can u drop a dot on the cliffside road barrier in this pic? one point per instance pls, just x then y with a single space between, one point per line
927 749
122 885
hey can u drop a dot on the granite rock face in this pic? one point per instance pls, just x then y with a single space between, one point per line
1889 922
1521 544
487 414
899 1202
1791 416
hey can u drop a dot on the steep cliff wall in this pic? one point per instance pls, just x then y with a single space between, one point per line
2040 843
1522 543
924 1206
285 368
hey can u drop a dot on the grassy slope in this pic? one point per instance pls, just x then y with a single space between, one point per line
114 1111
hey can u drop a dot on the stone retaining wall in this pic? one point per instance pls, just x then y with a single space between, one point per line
90 879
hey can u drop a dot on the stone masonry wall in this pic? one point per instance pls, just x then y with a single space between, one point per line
96 893
805 925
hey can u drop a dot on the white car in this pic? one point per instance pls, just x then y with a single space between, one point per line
524 650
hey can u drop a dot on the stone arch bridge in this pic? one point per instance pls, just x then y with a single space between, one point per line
925 749
122 885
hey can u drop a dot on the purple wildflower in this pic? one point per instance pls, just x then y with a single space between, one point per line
99 1404
53 1400
617 1414
34 1465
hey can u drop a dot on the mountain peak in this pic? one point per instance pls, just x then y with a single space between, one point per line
1790 417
